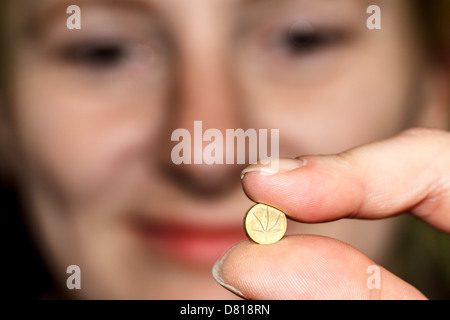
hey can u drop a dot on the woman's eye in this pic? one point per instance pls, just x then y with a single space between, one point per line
97 54
297 42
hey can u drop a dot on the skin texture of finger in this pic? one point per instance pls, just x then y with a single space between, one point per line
410 172
306 267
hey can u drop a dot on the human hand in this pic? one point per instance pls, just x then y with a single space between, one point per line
409 172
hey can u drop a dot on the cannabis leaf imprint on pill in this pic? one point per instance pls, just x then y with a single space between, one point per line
265 229
265 224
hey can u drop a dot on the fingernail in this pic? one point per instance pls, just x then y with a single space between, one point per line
217 274
275 166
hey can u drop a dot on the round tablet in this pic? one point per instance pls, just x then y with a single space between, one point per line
265 224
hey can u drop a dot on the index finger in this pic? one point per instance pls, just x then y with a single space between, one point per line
410 172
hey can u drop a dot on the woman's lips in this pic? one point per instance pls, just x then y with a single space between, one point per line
198 245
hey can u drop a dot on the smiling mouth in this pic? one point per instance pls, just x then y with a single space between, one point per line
192 244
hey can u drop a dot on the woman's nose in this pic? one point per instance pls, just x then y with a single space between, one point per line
204 98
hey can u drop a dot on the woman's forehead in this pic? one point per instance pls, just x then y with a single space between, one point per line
43 5
32 12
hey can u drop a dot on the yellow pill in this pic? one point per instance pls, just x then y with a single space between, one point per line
265 224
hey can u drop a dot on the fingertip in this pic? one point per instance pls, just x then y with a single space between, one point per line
274 166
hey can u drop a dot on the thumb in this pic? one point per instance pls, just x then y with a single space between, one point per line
307 267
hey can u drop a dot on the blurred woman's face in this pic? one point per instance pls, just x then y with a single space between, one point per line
95 108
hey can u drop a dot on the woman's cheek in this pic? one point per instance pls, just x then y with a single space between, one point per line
355 106
83 136
78 154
